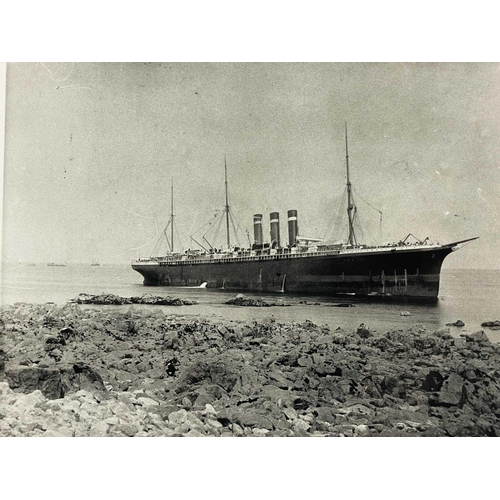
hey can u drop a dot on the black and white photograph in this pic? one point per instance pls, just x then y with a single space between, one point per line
251 249
250 244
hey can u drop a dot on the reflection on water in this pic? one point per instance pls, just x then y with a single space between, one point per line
470 295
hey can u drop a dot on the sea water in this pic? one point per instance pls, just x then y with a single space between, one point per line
472 296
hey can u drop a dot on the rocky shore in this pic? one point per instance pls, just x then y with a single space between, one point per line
102 371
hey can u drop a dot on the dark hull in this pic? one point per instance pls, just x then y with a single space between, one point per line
397 273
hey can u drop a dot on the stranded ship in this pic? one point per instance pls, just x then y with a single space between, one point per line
305 265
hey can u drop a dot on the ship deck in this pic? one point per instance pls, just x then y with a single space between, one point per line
277 255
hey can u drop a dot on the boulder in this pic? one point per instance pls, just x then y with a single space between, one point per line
479 336
324 414
128 430
364 332
219 371
54 383
80 376
279 396
394 386
28 379
433 381
452 392
491 324
458 322
242 300
246 417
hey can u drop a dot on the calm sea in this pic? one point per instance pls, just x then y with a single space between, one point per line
470 295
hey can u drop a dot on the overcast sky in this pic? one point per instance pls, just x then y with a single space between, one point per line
91 149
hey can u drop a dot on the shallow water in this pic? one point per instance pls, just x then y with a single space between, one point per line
470 295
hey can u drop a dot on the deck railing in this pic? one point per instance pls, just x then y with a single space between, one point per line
215 259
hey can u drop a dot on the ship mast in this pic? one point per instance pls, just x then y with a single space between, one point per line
172 216
350 205
227 204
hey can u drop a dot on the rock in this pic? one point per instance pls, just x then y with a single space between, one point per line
78 377
260 432
301 403
279 396
458 322
237 378
177 417
128 430
443 333
99 429
195 433
246 417
160 301
186 403
451 392
110 299
364 332
220 371
361 430
203 399
479 336
29 379
301 425
491 324
61 432
433 381
290 413
242 300
237 430
394 386
54 383
172 341
304 361
324 414
147 402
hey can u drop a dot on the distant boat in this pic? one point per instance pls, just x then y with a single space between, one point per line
95 263
52 264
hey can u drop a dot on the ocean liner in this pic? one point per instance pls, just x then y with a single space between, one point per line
304 265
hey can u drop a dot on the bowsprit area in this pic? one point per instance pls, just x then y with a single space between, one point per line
87 371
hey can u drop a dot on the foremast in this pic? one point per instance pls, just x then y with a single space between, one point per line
172 216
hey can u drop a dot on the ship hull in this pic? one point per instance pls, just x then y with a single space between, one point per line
393 272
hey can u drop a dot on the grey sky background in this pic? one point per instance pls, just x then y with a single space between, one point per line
90 150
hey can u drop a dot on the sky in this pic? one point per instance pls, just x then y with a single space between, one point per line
91 150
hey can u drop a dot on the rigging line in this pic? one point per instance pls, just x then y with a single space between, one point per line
360 228
362 199
180 237
211 223
139 247
234 219
207 224
158 238
336 217
368 231
234 230
217 230
233 214
194 222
